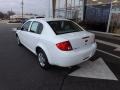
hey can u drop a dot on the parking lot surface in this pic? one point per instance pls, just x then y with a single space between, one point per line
19 68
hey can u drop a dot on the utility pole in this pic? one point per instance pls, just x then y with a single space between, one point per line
59 7
54 7
66 2
71 9
84 9
74 5
49 8
22 3
11 12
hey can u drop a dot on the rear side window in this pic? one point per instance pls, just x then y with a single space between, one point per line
62 27
36 27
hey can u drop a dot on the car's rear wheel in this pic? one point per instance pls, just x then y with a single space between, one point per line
18 41
43 61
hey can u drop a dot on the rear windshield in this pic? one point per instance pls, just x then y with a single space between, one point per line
62 27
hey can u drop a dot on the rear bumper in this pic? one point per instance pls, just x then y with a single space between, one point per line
71 58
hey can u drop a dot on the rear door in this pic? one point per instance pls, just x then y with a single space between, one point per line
34 35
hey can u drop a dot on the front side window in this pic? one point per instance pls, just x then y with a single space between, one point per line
62 27
25 27
36 27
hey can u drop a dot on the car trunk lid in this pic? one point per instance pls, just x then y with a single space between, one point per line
79 39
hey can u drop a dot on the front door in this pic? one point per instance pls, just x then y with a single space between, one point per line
23 34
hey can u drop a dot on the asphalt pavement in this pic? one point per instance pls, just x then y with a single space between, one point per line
19 68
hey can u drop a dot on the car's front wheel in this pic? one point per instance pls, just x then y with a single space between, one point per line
18 41
43 61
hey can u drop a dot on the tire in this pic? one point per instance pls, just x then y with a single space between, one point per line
43 61
18 41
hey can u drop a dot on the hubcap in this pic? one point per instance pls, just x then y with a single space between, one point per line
41 59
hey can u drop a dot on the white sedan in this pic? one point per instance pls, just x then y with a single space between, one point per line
58 42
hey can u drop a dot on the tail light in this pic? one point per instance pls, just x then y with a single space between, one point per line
64 46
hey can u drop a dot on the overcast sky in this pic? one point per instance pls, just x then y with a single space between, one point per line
40 7
30 6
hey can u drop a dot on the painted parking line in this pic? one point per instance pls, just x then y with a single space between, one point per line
108 53
117 49
105 33
109 44
97 69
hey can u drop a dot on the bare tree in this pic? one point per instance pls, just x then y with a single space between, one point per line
1 15
10 13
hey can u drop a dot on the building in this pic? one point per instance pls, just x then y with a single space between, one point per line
102 15
95 15
70 9
18 17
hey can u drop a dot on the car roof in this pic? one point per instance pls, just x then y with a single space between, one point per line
48 19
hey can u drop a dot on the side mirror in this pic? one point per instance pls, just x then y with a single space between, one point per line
18 28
